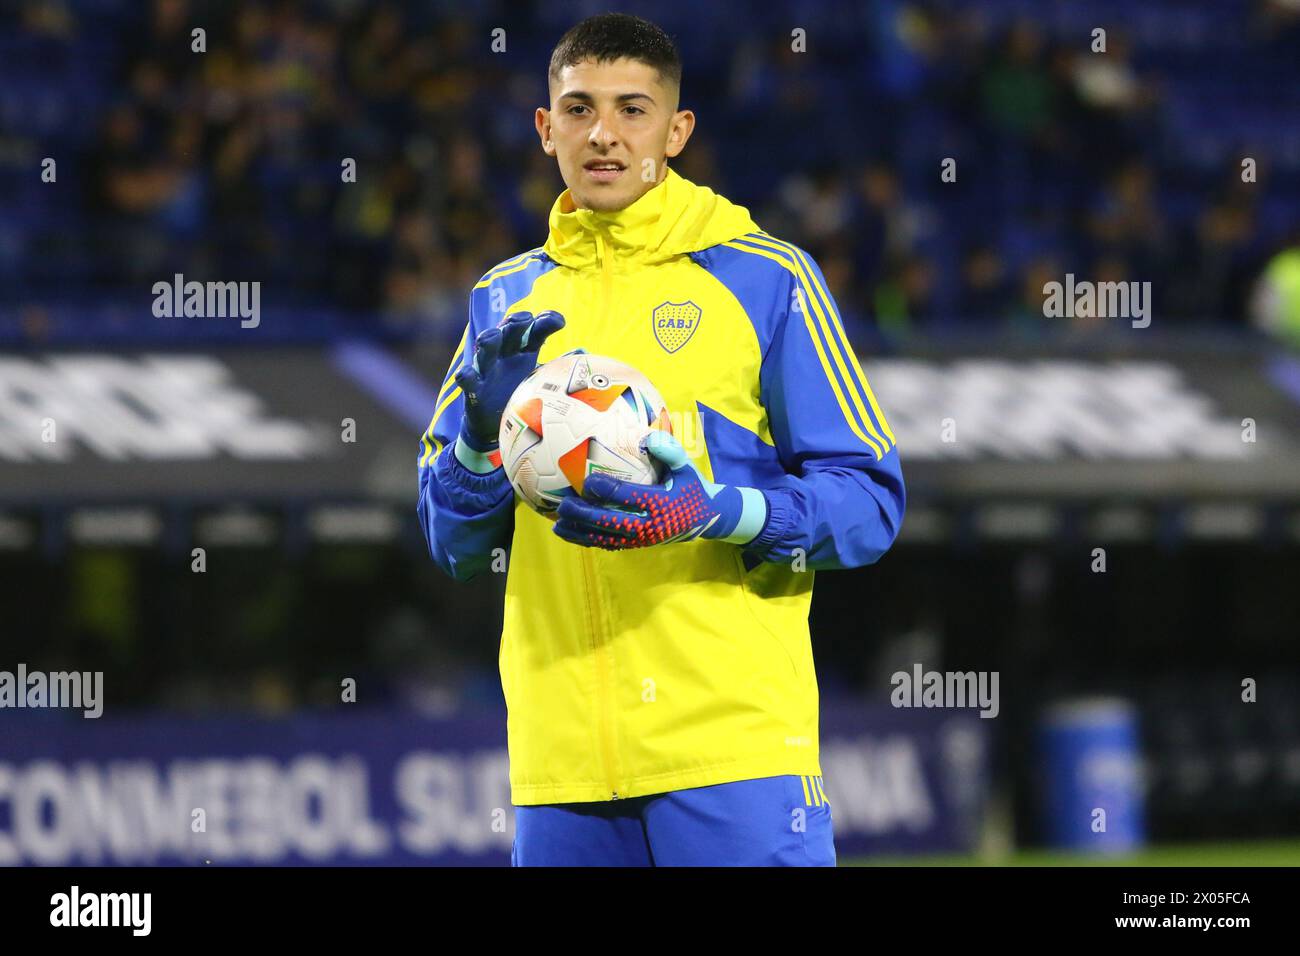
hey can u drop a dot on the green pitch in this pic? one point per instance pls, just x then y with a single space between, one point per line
1262 853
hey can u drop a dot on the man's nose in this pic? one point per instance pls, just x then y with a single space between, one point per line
603 134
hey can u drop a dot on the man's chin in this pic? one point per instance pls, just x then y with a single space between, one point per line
604 202
607 199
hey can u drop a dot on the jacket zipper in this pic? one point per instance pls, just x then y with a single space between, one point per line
599 638
606 277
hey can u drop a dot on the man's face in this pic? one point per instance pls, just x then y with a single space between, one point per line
616 114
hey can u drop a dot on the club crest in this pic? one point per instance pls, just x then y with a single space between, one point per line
674 323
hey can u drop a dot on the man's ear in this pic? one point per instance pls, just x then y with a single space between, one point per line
542 120
679 132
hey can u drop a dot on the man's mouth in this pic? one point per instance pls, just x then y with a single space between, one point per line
604 171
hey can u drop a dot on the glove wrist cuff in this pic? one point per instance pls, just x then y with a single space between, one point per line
774 529
479 462
753 517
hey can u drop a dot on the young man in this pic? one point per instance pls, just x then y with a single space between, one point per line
659 675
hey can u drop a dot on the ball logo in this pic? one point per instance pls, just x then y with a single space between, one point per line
674 323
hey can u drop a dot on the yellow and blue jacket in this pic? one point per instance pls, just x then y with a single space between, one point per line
686 664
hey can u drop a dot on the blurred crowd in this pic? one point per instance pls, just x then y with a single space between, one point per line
1117 165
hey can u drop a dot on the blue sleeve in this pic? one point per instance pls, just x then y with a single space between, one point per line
465 515
842 499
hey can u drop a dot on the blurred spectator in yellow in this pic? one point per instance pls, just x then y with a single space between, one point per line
1275 306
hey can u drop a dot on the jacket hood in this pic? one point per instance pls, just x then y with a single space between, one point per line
673 218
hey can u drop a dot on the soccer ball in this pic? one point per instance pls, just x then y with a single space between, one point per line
577 414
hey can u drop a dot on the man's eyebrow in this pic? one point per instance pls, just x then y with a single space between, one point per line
621 98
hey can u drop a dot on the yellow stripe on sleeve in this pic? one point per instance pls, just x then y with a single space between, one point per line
841 352
863 385
454 365
432 447
517 264
447 393
876 445
433 451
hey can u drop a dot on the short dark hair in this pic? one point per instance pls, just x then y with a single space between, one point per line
613 36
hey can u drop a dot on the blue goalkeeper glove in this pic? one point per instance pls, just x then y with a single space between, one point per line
503 357
623 514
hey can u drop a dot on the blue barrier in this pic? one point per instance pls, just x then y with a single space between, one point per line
394 788
1092 780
